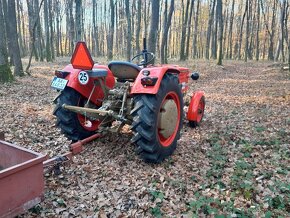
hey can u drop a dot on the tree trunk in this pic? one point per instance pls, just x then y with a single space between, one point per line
252 17
18 70
287 32
214 38
225 29
183 32
19 8
72 26
5 72
165 33
78 20
257 32
34 25
195 30
241 32
58 31
51 30
155 4
38 34
163 44
7 30
272 32
189 29
95 30
247 31
47 32
138 29
272 36
230 39
209 28
110 36
219 12
129 32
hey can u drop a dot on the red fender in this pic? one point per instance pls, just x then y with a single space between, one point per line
192 114
85 90
158 72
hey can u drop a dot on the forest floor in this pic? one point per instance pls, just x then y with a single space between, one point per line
235 164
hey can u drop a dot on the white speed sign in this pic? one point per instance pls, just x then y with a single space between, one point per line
83 77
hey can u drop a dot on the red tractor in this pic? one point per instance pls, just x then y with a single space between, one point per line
97 98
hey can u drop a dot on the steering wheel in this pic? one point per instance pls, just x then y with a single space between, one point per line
144 62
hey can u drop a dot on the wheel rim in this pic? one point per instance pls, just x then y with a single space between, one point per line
90 125
169 113
200 110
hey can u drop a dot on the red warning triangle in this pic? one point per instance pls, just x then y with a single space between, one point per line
81 58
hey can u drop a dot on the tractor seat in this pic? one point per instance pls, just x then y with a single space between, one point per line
124 70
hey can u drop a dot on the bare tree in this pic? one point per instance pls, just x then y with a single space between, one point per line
47 32
247 30
270 30
155 4
18 70
166 26
257 32
129 32
138 29
183 31
34 25
110 36
194 42
189 29
209 28
78 20
219 12
5 72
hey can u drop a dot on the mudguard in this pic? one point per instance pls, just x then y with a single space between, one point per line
193 106
158 72
85 90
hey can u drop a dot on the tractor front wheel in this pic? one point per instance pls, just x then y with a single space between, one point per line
200 113
74 126
158 120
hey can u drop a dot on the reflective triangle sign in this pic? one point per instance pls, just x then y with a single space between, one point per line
81 58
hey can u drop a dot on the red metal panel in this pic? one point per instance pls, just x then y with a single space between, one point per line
138 88
85 90
21 180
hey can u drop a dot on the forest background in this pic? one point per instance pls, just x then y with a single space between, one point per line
184 29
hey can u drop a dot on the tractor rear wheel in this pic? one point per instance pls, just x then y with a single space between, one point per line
158 120
74 126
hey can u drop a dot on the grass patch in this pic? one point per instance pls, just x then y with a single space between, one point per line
242 179
260 129
213 207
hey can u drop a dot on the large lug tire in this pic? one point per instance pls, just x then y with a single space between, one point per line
158 120
74 126
200 113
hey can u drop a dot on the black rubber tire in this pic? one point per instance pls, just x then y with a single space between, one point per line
194 124
145 113
68 121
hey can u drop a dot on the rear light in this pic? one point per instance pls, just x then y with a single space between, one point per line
61 73
149 81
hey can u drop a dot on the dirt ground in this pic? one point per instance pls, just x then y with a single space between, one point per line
236 164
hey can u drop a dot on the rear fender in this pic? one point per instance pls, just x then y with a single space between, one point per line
193 106
85 90
158 72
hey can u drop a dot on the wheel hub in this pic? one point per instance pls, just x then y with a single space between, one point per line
168 118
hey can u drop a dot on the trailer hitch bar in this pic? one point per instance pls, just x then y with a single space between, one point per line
74 148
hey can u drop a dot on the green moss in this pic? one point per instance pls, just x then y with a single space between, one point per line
5 74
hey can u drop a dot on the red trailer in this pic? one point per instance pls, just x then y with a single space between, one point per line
21 179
